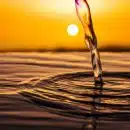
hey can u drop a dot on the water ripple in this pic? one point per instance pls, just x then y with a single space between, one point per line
75 95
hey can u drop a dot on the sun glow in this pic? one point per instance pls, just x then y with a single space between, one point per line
68 6
72 30
33 24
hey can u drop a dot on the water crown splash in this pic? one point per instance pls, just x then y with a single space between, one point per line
84 15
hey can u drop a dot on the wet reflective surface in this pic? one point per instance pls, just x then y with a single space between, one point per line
45 91
75 95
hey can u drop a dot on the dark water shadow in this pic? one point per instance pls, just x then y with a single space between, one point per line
92 124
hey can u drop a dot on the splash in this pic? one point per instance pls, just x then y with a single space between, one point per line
84 14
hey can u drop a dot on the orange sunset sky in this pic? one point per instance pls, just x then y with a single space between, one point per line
42 24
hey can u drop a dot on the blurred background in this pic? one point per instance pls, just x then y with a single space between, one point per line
38 25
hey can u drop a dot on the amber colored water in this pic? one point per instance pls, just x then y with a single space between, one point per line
84 15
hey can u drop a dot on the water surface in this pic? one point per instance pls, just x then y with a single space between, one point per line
56 91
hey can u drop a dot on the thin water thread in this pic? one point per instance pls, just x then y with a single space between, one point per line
84 15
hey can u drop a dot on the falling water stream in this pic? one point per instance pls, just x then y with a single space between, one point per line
84 14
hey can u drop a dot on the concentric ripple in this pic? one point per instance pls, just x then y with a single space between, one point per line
75 95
